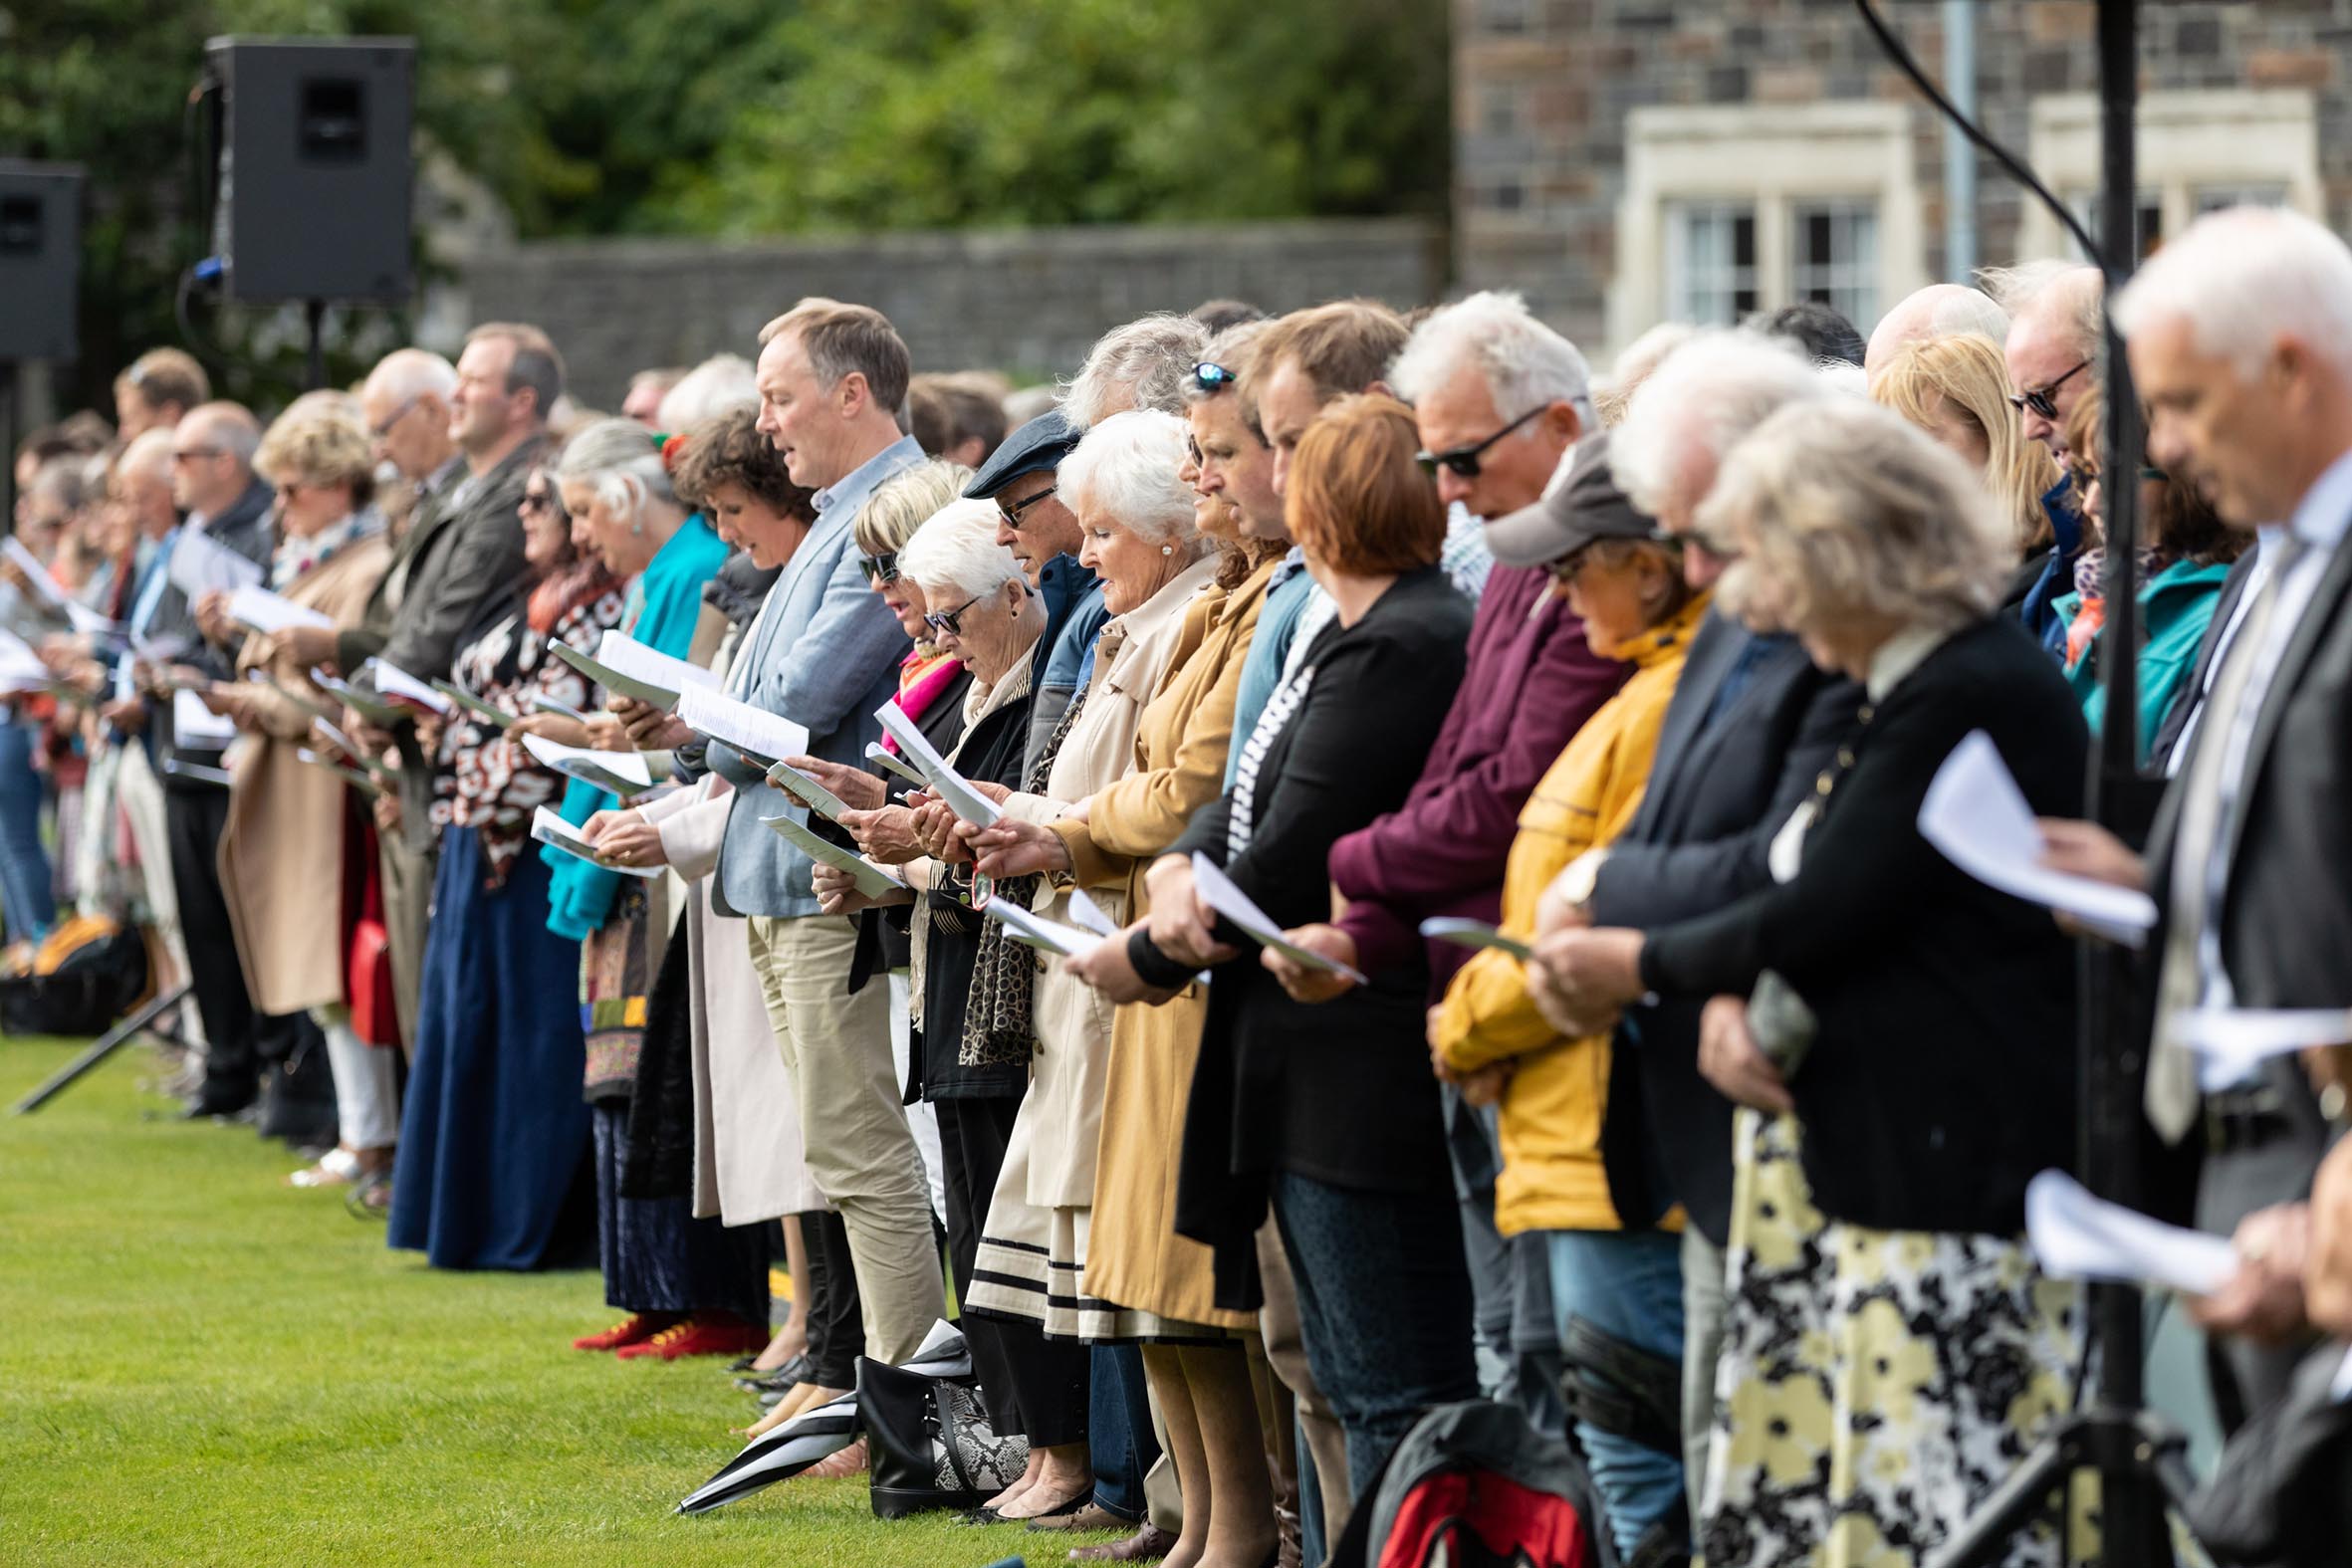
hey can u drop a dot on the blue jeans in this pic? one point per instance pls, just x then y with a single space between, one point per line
1119 1441
1629 1284
1383 1305
27 888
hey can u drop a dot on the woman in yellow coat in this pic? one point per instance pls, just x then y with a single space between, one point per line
1629 589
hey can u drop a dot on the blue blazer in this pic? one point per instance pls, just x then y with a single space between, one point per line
824 653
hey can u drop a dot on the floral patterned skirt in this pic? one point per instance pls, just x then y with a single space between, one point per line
1875 1386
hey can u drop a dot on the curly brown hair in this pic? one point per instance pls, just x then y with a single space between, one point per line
728 449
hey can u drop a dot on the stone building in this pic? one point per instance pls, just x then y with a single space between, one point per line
1626 162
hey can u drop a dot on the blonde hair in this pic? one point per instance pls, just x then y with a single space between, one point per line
317 445
1854 513
1965 375
902 503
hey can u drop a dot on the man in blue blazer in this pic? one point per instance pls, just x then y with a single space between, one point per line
824 653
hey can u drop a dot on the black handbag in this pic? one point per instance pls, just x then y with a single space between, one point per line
930 1443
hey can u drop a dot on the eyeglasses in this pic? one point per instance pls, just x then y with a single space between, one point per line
2041 399
1212 377
1014 511
398 414
1463 460
541 500
878 568
192 453
951 621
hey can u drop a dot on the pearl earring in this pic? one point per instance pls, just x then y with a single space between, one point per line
1167 550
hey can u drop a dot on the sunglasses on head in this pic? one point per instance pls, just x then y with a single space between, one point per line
1463 460
2041 399
1013 510
1210 377
951 622
878 568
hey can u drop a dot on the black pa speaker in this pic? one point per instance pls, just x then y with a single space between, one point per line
313 192
40 260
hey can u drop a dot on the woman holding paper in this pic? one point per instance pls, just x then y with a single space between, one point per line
1329 1111
972 1022
299 853
1920 1022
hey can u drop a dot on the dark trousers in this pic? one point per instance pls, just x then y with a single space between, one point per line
2273 1165
830 1306
1119 1441
1384 1304
1033 1386
192 823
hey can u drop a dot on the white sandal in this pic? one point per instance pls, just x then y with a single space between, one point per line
338 1166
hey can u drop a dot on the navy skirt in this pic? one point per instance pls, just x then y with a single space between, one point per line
494 1132
657 1256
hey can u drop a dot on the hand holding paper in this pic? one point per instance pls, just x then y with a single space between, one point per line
626 667
1976 815
806 789
872 880
1218 890
760 736
263 610
399 685
548 827
623 774
1474 934
950 785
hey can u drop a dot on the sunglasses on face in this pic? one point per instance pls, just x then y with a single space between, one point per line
951 622
2041 399
1212 377
540 501
1463 460
878 568
1014 509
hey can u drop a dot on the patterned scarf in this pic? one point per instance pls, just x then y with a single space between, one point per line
1000 1028
295 559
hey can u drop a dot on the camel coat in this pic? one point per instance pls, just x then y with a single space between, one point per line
282 853
1134 1256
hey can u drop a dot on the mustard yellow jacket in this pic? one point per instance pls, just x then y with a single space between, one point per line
1552 1176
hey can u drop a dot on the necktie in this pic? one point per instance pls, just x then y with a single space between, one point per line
2171 1094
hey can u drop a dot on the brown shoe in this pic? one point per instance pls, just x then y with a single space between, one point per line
1148 1544
1093 1516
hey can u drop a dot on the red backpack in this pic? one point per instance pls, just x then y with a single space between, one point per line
1473 1485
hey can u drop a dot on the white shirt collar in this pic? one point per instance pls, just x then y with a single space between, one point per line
1902 653
2325 511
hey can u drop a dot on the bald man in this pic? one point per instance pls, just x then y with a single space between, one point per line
1941 309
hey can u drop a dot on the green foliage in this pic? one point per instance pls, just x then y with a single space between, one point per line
748 116
206 1367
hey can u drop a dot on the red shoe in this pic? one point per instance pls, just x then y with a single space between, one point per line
699 1337
636 1330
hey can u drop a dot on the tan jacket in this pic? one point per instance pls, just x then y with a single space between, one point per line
282 853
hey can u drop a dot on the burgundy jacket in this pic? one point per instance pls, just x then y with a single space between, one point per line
1529 686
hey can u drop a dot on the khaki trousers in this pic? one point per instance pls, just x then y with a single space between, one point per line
1285 1353
407 910
837 1052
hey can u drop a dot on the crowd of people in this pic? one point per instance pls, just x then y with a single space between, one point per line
1489 794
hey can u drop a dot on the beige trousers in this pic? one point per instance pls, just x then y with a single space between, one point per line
407 909
836 1052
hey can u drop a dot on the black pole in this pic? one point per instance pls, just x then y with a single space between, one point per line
2132 1503
314 318
104 1047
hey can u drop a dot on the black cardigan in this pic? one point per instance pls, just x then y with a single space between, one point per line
1340 1092
1943 1073
991 754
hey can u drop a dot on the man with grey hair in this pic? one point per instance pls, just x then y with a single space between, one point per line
1143 364
2240 333
1941 309
2057 330
1750 727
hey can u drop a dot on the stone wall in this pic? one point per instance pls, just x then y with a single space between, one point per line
1027 301
1543 88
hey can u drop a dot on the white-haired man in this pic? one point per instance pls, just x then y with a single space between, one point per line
2056 325
1751 726
2240 334
1941 309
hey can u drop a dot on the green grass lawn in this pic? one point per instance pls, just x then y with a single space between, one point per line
198 1365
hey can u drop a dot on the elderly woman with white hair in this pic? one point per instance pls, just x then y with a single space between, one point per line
1136 520
972 1055
1918 1023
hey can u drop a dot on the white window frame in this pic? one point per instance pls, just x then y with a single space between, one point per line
1777 157
1678 261
2189 142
